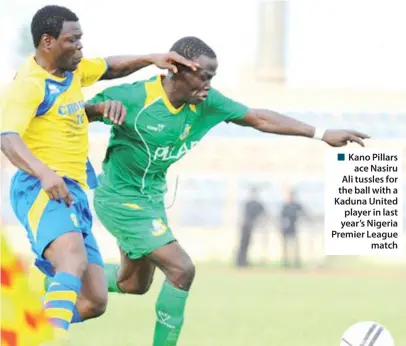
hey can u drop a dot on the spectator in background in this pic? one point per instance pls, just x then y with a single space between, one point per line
292 210
253 210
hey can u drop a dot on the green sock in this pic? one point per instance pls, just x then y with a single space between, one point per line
47 282
110 270
170 308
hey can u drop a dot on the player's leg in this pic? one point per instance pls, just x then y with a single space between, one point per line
179 270
57 240
141 230
133 276
127 222
92 300
67 255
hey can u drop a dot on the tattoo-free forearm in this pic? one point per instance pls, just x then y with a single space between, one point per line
122 66
93 112
273 122
20 156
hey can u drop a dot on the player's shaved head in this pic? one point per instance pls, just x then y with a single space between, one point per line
49 20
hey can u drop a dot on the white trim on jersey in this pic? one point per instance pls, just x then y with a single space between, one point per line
144 142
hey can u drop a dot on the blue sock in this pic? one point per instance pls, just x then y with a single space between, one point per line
60 300
76 316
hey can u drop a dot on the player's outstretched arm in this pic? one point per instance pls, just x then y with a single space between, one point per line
272 122
122 66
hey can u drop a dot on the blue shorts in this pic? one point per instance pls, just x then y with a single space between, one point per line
46 220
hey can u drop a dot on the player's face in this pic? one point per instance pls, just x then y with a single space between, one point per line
198 83
67 49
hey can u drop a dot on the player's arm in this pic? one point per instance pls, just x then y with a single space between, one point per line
122 66
272 122
109 112
110 105
17 110
93 70
20 156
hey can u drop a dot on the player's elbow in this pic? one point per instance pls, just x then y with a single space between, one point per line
260 120
8 143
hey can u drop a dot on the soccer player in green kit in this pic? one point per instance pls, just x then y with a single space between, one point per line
166 117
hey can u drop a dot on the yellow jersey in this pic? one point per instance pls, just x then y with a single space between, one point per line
49 114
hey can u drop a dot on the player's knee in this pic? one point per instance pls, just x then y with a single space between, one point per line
97 307
183 274
68 254
134 286
93 308
73 262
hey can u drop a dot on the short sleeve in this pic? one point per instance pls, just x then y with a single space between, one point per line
117 93
91 70
19 105
223 107
120 93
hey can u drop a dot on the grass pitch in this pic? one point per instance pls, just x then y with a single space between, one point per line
260 307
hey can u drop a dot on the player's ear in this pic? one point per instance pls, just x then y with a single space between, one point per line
46 41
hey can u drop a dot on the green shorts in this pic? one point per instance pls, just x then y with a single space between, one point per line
139 225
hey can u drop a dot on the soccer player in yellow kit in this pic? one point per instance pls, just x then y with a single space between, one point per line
44 131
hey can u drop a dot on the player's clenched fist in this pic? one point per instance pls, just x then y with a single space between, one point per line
55 187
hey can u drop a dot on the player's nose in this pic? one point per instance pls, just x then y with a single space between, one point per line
79 45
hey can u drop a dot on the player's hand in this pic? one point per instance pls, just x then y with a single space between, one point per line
56 188
340 138
168 61
115 111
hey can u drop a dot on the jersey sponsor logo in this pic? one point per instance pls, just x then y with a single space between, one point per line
173 153
159 227
185 132
157 128
71 108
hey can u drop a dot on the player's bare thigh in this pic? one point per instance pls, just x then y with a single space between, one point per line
175 263
68 254
135 276
92 300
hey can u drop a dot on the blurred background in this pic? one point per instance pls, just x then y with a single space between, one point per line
338 64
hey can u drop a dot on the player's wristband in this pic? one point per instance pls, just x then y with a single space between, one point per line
319 133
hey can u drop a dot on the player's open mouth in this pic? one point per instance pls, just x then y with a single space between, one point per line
202 96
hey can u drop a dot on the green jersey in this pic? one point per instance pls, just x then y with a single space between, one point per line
155 135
